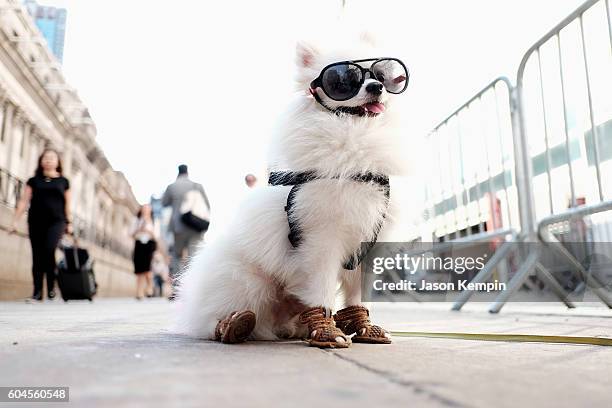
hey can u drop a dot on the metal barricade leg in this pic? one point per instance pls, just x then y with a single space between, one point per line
516 282
581 287
591 281
550 281
484 274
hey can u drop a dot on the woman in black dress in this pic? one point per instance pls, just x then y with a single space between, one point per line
48 196
143 233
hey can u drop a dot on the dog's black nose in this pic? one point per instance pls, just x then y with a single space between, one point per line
374 88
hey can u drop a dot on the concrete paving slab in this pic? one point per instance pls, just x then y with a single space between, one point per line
119 352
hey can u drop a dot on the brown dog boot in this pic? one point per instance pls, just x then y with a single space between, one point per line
235 328
322 330
356 319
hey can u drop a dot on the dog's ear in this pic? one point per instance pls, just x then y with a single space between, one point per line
305 54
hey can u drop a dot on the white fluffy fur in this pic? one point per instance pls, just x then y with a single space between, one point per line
253 266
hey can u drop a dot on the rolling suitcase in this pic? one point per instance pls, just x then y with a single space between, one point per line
75 274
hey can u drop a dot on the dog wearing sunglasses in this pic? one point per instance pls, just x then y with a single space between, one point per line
298 242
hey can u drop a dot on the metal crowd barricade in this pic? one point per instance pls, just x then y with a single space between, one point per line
475 191
475 197
564 152
558 89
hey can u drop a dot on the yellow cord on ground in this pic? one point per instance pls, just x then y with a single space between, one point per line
521 338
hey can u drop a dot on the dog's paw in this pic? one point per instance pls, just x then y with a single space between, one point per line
323 330
236 328
356 320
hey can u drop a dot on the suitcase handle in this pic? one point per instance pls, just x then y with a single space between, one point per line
75 246
75 254
74 238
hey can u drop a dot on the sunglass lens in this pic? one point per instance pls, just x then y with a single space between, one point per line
341 82
392 74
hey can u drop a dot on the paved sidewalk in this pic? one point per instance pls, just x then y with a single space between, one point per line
118 352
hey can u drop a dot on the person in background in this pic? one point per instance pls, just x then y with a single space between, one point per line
185 238
145 245
160 273
250 180
48 196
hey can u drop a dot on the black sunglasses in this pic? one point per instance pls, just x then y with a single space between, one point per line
342 80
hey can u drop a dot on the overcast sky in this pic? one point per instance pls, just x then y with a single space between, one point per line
202 82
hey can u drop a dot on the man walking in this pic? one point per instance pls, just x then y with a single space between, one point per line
185 237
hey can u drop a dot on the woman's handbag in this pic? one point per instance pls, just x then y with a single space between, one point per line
194 211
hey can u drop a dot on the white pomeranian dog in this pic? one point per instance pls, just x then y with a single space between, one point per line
297 242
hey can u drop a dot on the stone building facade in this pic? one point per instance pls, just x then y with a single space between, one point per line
38 109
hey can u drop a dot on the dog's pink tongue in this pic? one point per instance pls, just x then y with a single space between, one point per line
374 107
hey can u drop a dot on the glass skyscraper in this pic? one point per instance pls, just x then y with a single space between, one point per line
51 21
